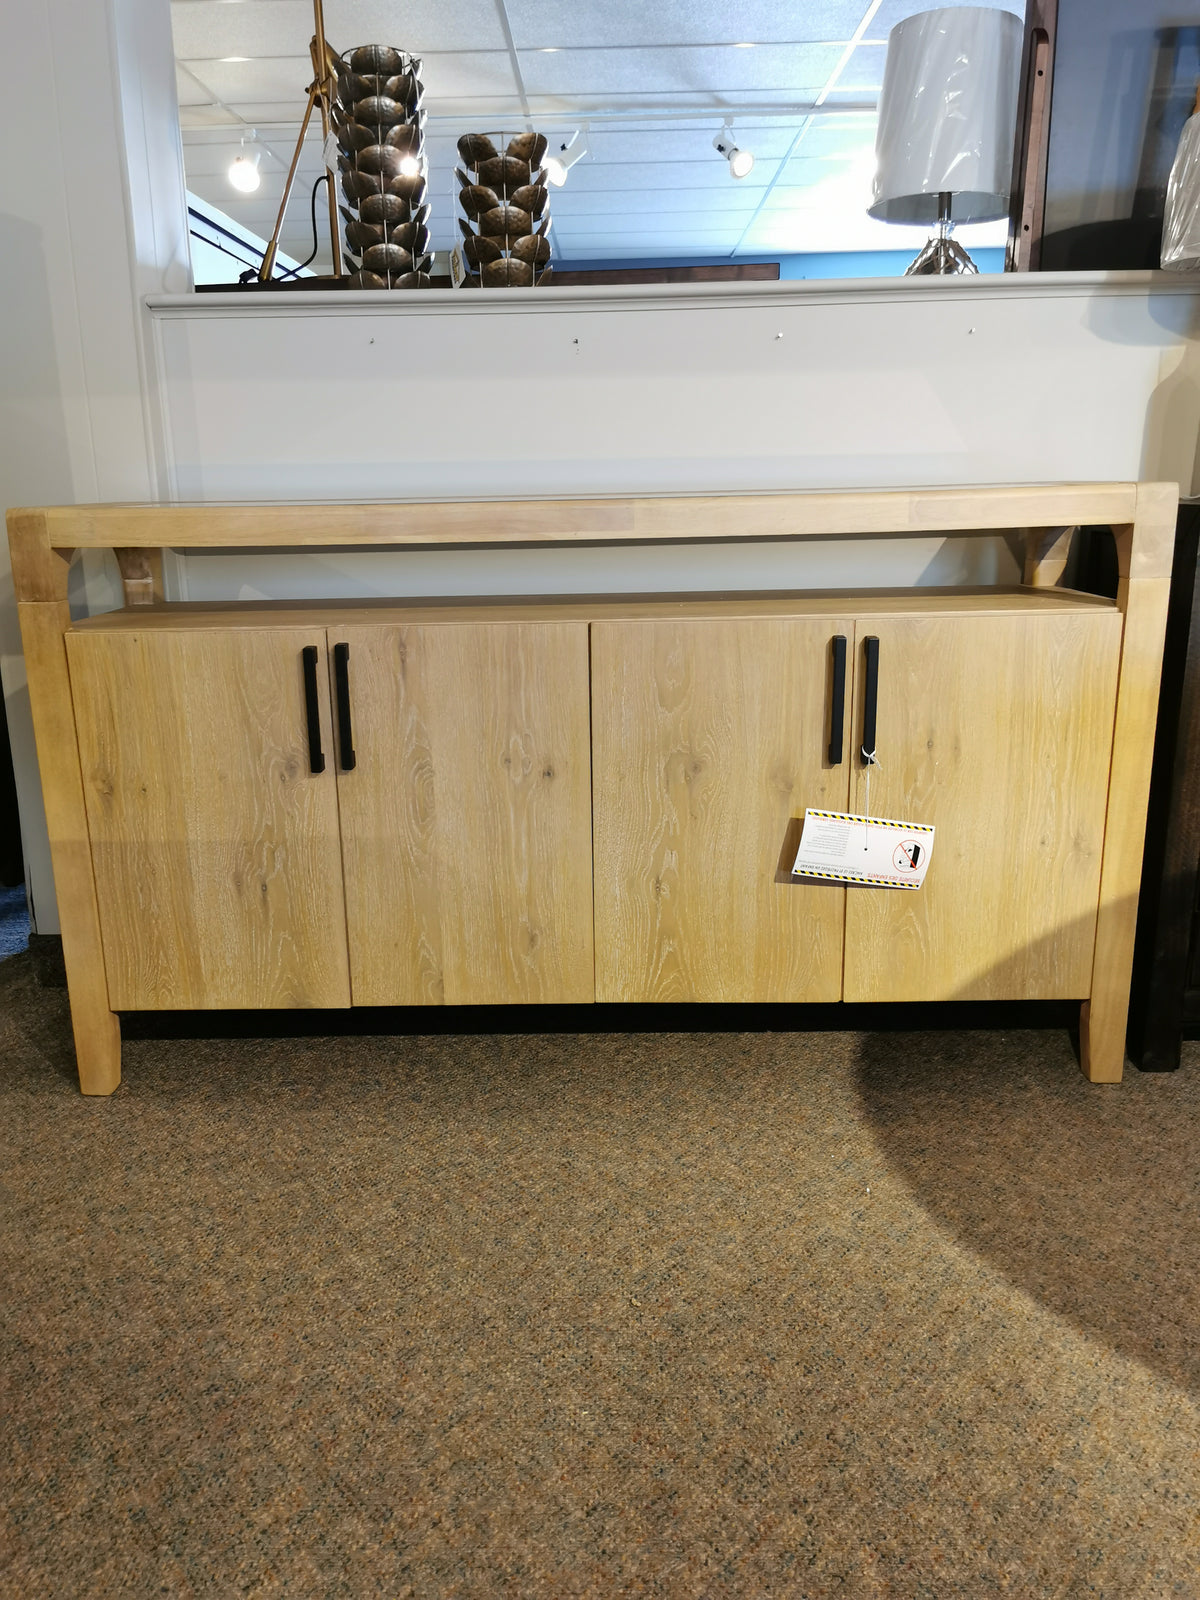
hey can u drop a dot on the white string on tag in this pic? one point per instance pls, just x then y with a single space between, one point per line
872 760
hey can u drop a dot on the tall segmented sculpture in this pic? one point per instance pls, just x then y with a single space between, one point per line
505 229
380 127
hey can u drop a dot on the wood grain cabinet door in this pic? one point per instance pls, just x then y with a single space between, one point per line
998 731
710 738
214 844
466 826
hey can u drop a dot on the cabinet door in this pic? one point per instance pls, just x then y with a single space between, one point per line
215 847
466 828
998 731
709 740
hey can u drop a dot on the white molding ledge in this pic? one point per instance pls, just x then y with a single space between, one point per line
669 296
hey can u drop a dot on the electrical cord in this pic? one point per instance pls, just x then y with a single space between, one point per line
324 178
294 272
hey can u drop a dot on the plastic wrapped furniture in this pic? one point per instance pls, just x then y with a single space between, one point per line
1181 225
380 127
505 200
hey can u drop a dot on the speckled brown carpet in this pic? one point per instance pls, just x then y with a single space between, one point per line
708 1316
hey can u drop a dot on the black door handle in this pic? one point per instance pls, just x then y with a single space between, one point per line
312 709
837 710
870 701
341 682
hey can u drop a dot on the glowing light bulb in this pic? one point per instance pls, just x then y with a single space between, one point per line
244 175
410 167
740 161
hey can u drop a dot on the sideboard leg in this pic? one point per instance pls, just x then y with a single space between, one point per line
97 1049
1102 1040
40 579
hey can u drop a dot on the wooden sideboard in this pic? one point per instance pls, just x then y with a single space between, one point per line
406 803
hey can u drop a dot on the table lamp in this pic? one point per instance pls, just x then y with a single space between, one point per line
947 124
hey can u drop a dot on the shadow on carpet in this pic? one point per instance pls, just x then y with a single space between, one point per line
1086 1197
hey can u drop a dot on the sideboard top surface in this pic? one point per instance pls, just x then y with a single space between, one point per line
655 518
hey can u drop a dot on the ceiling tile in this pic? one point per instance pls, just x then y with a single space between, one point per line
190 92
421 26
563 23
275 78
863 72
206 117
663 177
657 202
207 28
692 223
284 27
474 114
772 70
838 136
707 102
467 73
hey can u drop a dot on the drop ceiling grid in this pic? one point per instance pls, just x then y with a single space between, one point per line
646 185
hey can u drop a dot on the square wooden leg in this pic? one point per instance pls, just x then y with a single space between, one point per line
97 1050
1102 1039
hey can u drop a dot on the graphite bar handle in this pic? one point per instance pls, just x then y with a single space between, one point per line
341 684
837 710
312 709
870 700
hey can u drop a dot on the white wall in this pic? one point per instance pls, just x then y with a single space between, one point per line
75 422
766 387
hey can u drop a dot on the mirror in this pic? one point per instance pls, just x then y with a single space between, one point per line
697 135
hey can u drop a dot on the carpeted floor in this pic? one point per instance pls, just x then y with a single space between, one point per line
14 921
785 1315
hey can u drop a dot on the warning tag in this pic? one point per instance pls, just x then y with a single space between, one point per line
875 851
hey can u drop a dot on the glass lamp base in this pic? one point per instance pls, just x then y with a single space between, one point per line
942 255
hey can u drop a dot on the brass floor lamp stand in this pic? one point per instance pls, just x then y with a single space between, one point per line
321 93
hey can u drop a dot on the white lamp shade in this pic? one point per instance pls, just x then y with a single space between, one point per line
948 115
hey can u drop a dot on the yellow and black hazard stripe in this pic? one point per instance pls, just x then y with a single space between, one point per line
854 877
875 822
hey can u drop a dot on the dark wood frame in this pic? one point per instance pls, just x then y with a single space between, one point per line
1165 998
1031 150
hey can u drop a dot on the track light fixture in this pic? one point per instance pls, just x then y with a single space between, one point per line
740 161
561 157
243 170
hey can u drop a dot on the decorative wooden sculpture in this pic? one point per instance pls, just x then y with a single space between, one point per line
505 228
380 127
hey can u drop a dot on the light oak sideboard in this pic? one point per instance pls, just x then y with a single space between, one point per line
567 800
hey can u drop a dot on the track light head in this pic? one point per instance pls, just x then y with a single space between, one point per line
562 156
740 161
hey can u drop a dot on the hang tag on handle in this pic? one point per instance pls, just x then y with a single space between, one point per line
877 852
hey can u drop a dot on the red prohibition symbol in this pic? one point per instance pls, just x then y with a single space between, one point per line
907 856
